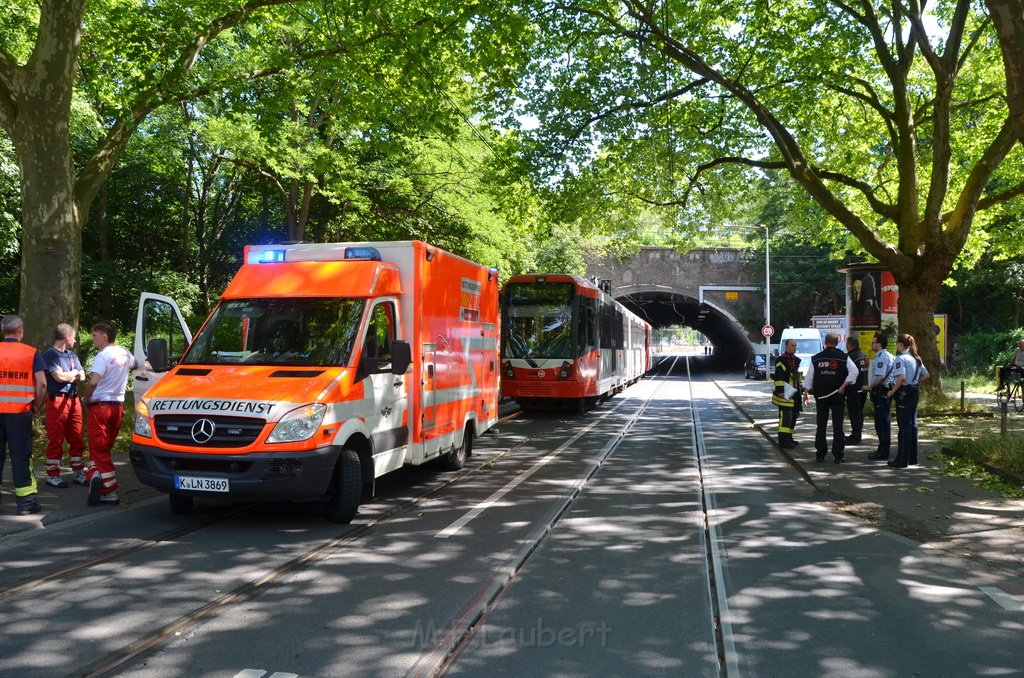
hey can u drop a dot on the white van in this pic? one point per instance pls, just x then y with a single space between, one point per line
808 343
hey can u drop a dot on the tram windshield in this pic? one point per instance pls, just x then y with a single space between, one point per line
538 320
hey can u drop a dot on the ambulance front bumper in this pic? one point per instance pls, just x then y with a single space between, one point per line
294 476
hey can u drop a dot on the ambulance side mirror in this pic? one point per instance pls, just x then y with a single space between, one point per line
401 356
156 355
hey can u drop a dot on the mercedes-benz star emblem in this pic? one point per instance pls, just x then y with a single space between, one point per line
202 431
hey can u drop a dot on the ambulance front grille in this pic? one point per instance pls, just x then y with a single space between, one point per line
185 429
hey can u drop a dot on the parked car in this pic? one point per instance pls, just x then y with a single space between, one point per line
755 368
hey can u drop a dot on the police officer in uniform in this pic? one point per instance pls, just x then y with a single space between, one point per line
856 395
787 371
22 387
881 384
830 373
908 372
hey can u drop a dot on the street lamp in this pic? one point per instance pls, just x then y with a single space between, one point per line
767 302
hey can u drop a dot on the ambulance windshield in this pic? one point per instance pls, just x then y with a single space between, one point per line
278 332
538 320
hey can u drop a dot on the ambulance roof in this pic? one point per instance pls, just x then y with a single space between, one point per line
315 279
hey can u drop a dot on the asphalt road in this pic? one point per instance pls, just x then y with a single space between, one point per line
659 535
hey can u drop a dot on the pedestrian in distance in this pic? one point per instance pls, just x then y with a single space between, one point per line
786 395
857 394
828 376
104 398
908 372
880 384
1013 369
22 389
63 410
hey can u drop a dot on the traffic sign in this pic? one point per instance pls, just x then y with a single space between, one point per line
767 331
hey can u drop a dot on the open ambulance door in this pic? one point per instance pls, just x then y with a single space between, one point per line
161 337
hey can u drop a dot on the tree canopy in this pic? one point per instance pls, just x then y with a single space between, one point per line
889 117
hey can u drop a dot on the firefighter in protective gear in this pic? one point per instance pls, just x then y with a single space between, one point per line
787 373
22 388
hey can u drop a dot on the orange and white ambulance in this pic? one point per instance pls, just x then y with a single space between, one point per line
323 367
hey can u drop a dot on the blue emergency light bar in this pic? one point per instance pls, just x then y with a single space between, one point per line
270 257
363 253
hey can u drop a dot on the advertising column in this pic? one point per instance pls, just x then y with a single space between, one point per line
872 305
871 302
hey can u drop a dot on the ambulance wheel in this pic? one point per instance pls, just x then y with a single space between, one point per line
347 488
456 459
181 503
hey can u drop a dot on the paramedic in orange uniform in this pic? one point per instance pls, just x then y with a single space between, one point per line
22 387
108 378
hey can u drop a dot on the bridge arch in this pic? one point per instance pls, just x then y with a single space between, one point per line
714 291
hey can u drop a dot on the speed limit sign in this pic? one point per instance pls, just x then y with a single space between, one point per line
767 331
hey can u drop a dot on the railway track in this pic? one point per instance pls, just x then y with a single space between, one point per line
459 630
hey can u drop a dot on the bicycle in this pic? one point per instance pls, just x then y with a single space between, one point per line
1012 392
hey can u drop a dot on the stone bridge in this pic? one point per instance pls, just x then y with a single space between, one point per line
719 292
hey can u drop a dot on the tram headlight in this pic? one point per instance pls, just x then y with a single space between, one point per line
565 370
509 372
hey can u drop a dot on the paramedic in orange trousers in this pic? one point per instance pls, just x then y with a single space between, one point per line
104 398
63 410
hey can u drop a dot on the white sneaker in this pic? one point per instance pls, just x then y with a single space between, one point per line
56 481
78 478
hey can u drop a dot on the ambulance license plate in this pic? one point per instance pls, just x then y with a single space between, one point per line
200 484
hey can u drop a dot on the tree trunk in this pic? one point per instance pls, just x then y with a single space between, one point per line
36 115
51 242
919 297
1008 19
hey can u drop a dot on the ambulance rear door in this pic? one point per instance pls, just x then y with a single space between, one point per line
160 329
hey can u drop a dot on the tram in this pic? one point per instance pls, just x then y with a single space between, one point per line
567 343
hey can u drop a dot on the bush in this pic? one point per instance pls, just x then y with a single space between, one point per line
981 352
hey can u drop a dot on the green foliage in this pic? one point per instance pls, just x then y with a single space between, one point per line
993 451
981 352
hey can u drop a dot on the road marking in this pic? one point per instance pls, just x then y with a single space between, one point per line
491 500
1004 599
259 673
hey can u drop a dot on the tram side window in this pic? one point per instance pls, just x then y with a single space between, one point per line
607 319
587 331
620 337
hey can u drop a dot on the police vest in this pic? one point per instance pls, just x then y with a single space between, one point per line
17 383
829 371
861 361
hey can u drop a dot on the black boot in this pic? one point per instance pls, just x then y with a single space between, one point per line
27 505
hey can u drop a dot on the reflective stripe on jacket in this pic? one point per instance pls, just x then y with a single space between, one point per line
17 382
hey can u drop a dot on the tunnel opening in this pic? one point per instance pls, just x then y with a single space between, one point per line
664 308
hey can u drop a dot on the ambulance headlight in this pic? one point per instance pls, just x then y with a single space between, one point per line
142 427
299 424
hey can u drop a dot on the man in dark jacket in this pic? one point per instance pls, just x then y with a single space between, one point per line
856 395
828 376
787 373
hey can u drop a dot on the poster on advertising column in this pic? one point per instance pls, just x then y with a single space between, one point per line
864 299
890 304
